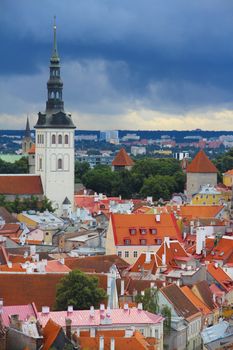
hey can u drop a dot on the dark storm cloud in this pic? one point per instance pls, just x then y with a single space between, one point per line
164 52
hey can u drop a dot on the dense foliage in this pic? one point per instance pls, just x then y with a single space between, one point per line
18 167
79 290
25 204
148 177
224 162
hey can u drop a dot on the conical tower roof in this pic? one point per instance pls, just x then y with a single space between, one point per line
122 159
201 164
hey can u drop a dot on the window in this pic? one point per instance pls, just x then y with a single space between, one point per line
66 139
132 231
59 164
60 139
119 254
143 231
53 139
126 254
158 241
153 231
143 241
127 241
40 163
135 254
38 138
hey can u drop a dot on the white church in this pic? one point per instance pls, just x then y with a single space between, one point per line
54 149
51 159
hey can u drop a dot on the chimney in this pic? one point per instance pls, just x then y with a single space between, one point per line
200 239
92 312
122 287
128 332
157 217
148 257
68 328
62 261
112 344
92 332
70 309
126 307
140 306
101 343
15 322
45 310
102 307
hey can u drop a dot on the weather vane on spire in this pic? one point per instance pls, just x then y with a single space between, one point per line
55 53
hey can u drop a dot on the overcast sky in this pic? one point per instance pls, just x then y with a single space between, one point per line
126 64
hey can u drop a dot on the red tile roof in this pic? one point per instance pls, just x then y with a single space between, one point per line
20 184
195 300
183 306
173 251
122 159
32 150
136 342
229 172
200 211
22 288
201 164
38 288
50 333
220 276
222 250
166 226
98 264
143 265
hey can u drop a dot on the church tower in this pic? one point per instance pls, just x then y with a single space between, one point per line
27 139
55 140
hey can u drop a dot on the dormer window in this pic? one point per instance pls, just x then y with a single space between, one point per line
158 241
143 231
143 241
132 231
127 241
153 231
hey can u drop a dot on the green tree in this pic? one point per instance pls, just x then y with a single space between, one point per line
167 314
80 290
81 168
149 300
158 186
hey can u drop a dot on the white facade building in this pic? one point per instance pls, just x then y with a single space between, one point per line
54 160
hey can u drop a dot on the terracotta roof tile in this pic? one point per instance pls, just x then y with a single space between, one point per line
183 306
136 342
220 276
201 164
20 184
50 333
195 300
122 159
98 264
32 150
38 288
166 226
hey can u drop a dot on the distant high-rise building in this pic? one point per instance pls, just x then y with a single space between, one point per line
55 141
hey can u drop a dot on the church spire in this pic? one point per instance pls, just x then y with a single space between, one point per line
27 130
55 55
54 84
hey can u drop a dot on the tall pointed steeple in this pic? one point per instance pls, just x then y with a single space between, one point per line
54 84
54 115
27 130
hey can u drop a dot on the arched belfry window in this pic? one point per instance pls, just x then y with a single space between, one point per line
60 139
66 139
52 94
53 139
59 164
